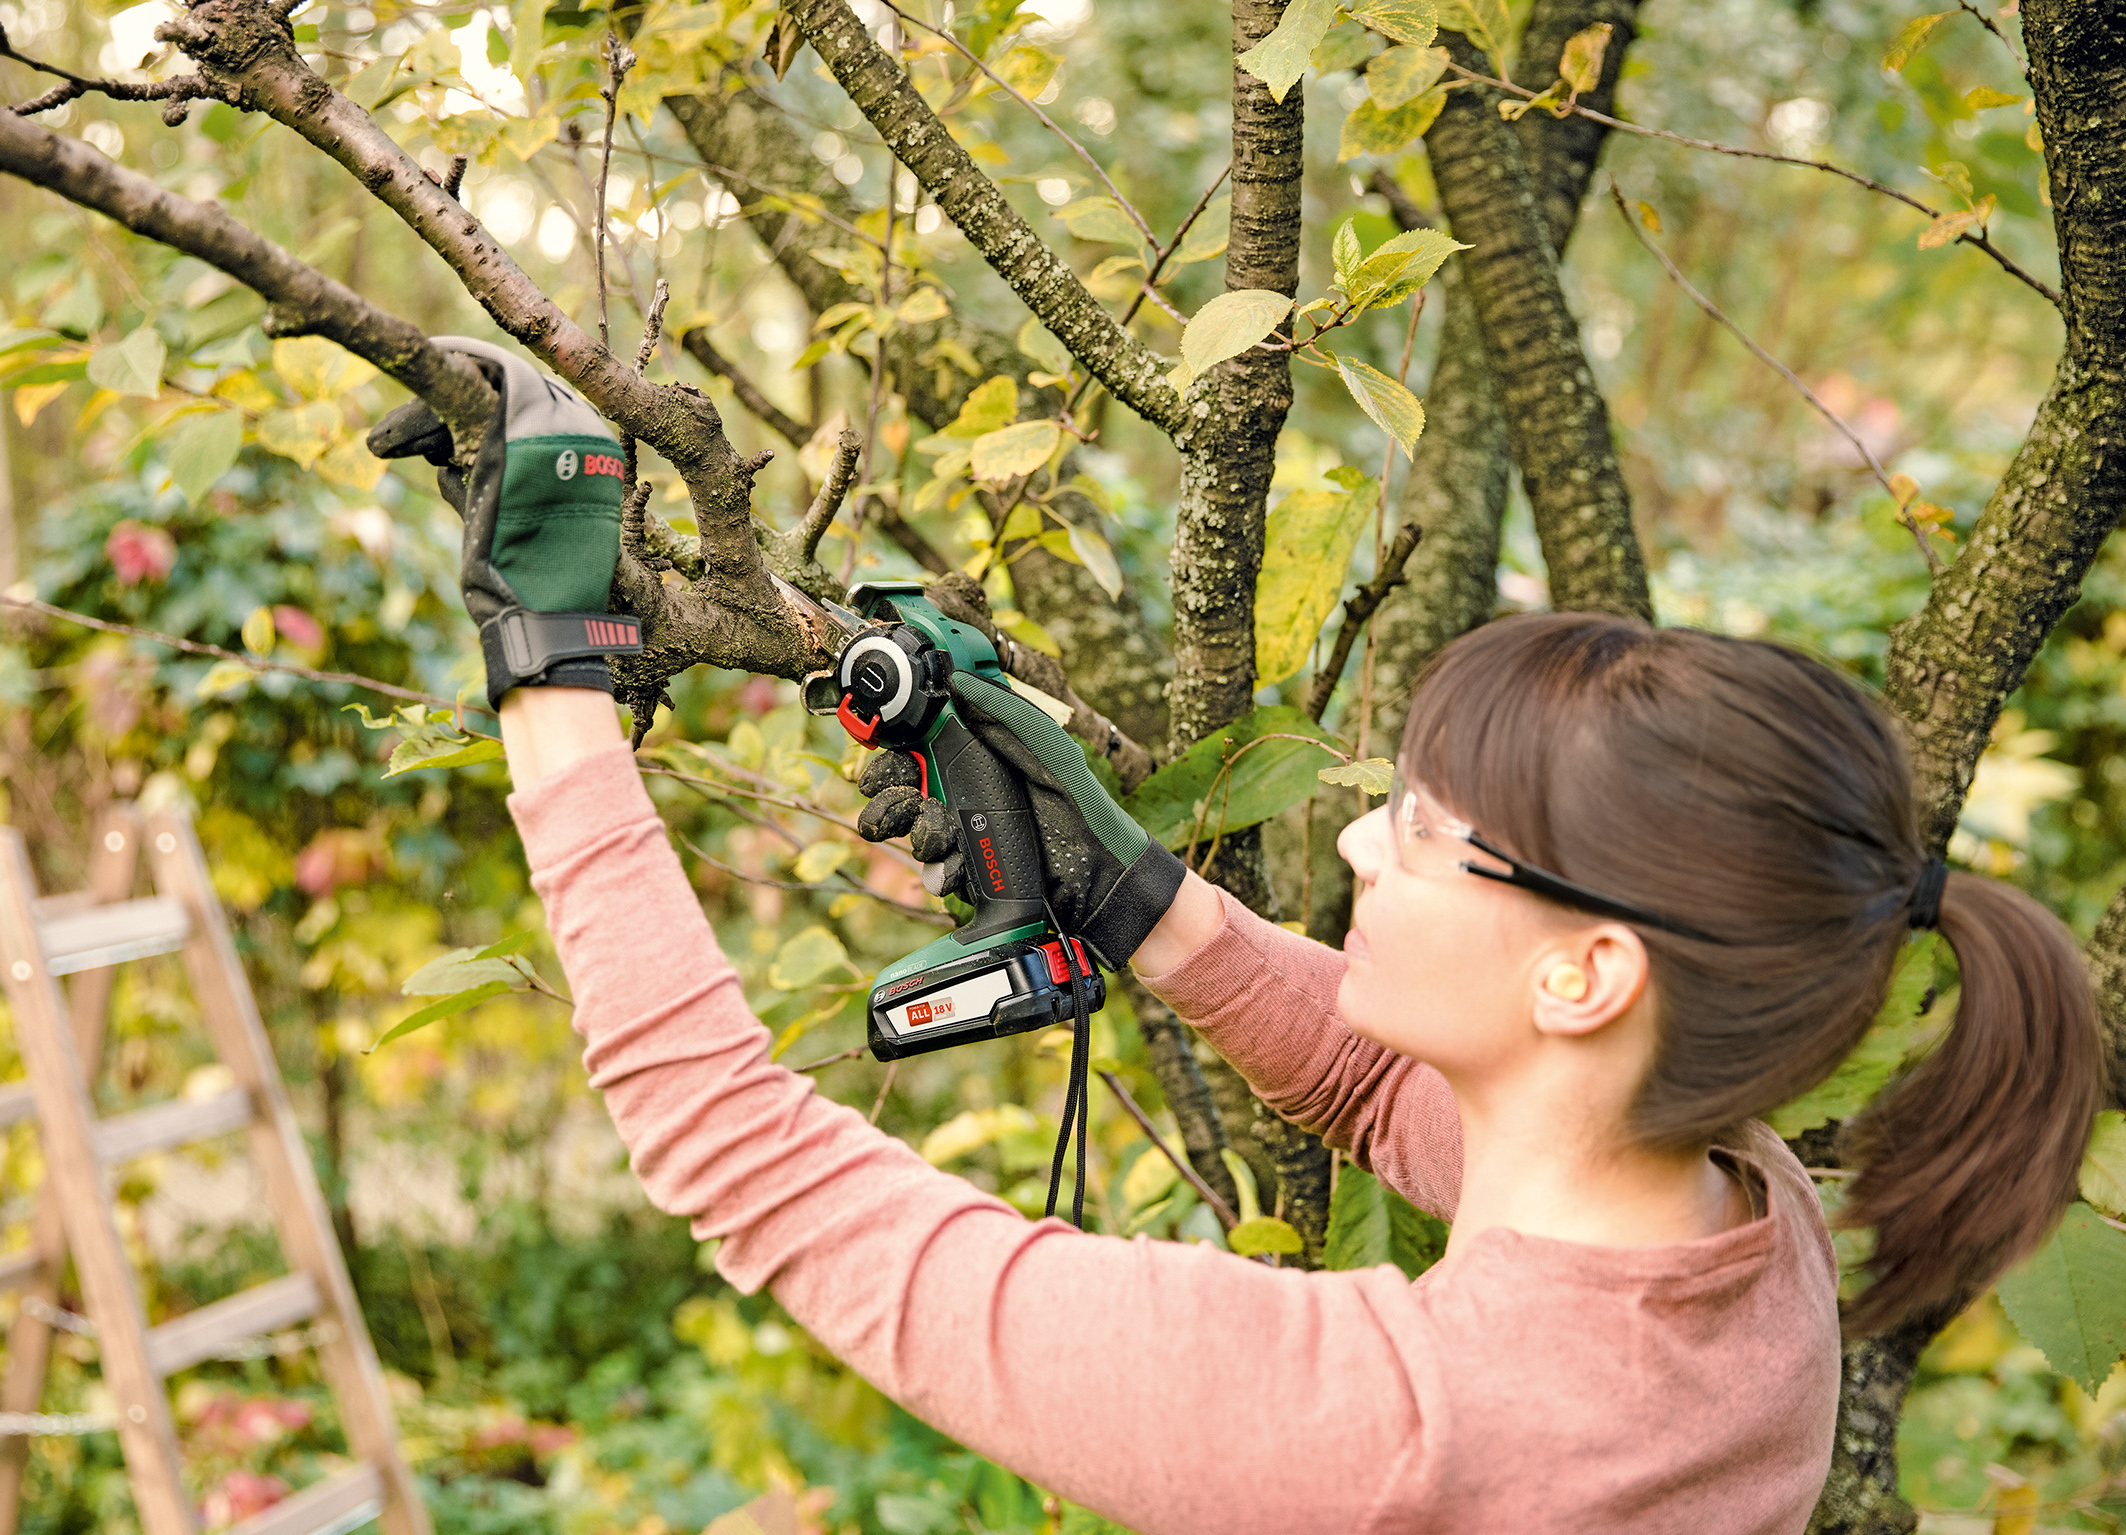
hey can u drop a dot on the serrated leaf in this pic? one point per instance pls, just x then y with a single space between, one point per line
2102 1179
1948 227
1485 23
1981 97
1371 1224
1400 266
1039 343
1307 542
1370 131
462 970
1392 408
202 450
1028 70
1956 176
1402 73
1265 780
318 369
1100 218
223 677
1372 774
989 406
1413 22
257 632
806 959
1912 37
1208 237
1229 324
819 860
1263 1234
435 1010
1345 250
1282 57
131 366
2069 1297
1580 65
1094 554
1011 451
1899 1028
409 756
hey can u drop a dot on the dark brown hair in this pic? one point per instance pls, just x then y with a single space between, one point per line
1759 795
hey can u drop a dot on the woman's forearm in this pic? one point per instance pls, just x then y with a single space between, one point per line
546 729
1191 922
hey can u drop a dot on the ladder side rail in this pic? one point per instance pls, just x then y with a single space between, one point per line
349 1359
114 862
75 1179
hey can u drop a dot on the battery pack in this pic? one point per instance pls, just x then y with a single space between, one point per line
1008 989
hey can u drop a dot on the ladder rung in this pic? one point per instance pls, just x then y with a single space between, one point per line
18 1270
201 1334
105 935
15 1103
45 907
344 1501
179 1122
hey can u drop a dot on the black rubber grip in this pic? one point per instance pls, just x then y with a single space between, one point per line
997 835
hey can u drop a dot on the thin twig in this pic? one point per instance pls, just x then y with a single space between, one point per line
619 59
853 885
653 326
849 1054
840 475
892 1070
256 663
1919 535
1979 241
181 88
1227 1216
795 202
1046 121
1357 611
1991 26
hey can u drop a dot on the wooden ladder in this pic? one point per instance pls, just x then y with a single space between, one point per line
81 936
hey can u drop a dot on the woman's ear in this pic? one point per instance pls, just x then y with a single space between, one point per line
1589 979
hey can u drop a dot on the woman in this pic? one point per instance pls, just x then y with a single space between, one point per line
1632 888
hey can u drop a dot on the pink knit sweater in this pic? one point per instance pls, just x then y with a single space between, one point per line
1524 1384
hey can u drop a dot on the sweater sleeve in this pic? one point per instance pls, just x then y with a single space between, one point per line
1266 998
1130 1376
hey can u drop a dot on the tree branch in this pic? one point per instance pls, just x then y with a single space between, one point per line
829 500
886 96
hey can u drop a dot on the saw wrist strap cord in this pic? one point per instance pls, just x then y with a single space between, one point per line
541 505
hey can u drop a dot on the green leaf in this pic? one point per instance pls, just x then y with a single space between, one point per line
806 959
1011 451
1370 1224
1398 267
131 366
1263 1234
223 677
1282 57
1039 343
1243 1183
502 948
1370 131
2069 1297
1414 22
1229 324
1095 555
1346 46
1371 774
1266 780
1306 542
1346 251
435 1010
1100 218
1899 1029
257 632
1394 409
1485 23
988 406
2102 1180
408 756
1580 66
1208 236
202 450
1402 73
462 970
1956 176
1912 37
1151 1178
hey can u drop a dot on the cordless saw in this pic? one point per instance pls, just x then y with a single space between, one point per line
1005 971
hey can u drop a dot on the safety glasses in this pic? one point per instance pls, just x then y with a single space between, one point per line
1423 829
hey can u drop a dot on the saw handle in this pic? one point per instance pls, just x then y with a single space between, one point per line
997 835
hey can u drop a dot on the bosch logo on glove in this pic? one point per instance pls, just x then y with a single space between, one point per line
565 465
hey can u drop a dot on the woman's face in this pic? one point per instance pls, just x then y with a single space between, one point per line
1440 963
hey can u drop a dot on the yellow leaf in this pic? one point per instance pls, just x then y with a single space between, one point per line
317 369
1307 544
526 136
974 1129
1011 451
2015 1510
924 305
223 677
1263 1234
350 464
1581 64
819 860
1370 131
32 398
303 434
1903 487
1650 217
1980 97
247 392
1947 228
258 631
1151 1176
1403 72
1911 38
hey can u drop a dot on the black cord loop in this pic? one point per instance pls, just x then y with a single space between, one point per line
1926 895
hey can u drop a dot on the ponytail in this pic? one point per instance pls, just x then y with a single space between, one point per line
1966 1163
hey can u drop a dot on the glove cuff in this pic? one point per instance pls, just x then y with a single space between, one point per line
1133 905
554 650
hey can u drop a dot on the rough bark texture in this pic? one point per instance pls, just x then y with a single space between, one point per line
1555 416
1168 1045
1860 1495
1953 664
2107 967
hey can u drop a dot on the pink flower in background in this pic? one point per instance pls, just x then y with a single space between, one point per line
341 856
138 552
298 628
240 1495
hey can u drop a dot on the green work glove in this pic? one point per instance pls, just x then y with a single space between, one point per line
1105 878
542 524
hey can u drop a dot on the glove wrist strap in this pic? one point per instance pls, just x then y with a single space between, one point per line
527 649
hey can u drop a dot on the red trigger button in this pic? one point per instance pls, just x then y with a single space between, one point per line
856 727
